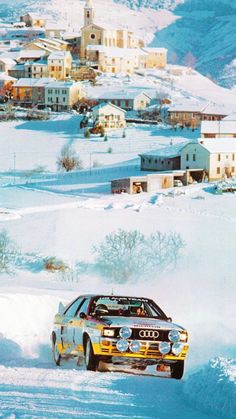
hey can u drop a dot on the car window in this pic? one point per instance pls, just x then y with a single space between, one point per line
71 310
84 307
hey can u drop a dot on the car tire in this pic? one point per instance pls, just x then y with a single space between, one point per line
56 353
91 360
177 370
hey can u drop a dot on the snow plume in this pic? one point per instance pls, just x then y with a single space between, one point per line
213 388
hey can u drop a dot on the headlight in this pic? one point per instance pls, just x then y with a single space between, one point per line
177 348
174 335
109 332
125 332
122 345
183 336
135 346
164 347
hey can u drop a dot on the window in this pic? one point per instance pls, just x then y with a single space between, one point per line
92 36
232 169
194 157
233 156
209 135
218 170
84 307
70 311
218 157
155 161
187 157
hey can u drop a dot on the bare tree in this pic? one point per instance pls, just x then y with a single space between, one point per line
8 252
190 60
69 160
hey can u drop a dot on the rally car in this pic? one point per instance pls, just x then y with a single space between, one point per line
119 330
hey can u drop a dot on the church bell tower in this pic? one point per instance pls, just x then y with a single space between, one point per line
88 13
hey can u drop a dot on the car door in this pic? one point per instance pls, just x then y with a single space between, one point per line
79 324
67 326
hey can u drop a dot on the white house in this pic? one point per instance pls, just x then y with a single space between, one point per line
6 64
109 116
217 158
61 96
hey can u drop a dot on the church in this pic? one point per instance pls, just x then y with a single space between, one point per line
115 50
105 35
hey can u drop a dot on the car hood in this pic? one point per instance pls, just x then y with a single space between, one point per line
140 322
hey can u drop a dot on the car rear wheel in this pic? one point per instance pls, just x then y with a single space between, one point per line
56 353
177 370
91 360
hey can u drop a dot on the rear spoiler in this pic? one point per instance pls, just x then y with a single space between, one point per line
61 308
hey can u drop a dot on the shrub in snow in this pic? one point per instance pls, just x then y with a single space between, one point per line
120 255
109 150
86 133
106 138
212 389
162 250
126 254
96 163
54 264
8 252
69 160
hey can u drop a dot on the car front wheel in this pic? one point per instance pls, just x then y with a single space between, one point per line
177 370
91 360
56 353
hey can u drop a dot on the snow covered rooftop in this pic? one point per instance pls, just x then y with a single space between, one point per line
59 55
8 61
62 84
105 104
188 106
230 117
153 49
219 145
30 82
31 53
218 127
122 94
169 151
4 76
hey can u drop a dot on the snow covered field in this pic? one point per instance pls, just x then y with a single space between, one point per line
65 216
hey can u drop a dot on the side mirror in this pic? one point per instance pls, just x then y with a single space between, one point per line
82 315
169 319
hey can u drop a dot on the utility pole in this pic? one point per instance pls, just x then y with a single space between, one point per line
14 168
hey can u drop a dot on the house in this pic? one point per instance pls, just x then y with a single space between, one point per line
59 64
115 59
29 92
94 33
37 69
218 129
156 57
190 113
18 71
6 64
55 30
33 19
62 95
163 159
109 116
126 99
209 159
217 158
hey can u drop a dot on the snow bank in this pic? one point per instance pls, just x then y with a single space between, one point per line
213 388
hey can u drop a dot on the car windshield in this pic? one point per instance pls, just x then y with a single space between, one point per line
125 306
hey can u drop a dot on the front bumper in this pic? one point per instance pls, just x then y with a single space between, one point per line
149 351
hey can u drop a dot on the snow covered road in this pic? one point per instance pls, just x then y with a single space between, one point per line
38 392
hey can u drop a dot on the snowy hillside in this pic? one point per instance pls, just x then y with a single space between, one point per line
207 30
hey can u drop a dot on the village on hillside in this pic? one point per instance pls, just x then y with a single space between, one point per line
112 81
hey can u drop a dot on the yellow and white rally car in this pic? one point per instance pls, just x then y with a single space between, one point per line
119 330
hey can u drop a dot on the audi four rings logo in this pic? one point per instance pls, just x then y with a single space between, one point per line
152 334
